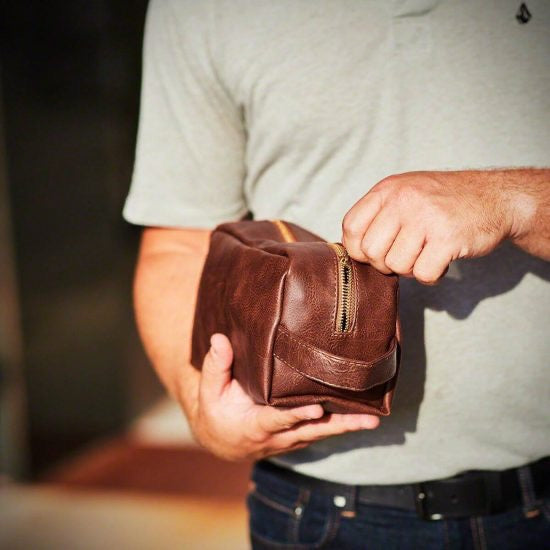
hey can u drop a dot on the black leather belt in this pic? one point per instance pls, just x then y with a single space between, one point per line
472 493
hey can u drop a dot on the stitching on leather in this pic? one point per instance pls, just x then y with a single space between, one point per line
329 357
274 342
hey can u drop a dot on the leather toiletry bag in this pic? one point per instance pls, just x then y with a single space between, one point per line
307 323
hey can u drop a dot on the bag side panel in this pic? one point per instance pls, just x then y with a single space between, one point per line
240 295
209 314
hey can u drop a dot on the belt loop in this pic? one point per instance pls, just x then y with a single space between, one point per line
530 503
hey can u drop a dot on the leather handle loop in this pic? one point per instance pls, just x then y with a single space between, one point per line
332 370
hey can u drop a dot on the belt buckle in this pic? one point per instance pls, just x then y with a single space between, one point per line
421 505
461 496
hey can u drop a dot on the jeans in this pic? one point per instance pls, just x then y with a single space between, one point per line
283 515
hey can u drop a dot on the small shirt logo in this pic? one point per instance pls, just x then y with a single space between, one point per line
523 14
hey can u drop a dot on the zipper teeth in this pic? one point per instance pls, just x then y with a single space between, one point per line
285 231
345 289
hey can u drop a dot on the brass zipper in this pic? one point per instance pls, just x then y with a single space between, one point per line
346 284
346 289
285 231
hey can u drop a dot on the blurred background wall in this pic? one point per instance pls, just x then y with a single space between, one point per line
72 366
92 453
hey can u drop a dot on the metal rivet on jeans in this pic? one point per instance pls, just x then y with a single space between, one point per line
339 501
298 510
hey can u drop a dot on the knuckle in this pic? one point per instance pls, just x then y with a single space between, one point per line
369 249
254 434
291 418
442 227
395 264
465 251
400 261
425 275
408 192
400 188
387 183
351 225
256 437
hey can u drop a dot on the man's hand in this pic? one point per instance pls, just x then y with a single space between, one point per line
415 224
228 423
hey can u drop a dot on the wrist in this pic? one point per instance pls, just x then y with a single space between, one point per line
186 392
522 202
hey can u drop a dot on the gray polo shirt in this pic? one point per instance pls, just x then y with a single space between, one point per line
294 109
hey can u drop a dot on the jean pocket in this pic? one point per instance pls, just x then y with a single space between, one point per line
277 521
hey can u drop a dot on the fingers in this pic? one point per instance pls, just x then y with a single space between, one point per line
432 263
216 368
357 221
391 226
404 251
379 238
332 424
272 419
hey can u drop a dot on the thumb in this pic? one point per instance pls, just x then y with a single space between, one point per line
216 368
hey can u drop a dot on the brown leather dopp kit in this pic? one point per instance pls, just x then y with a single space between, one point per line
307 323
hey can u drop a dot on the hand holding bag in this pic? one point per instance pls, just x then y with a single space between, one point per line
307 323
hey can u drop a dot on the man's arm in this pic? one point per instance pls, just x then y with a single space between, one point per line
415 224
222 417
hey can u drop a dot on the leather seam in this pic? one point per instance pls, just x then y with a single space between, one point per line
335 358
274 340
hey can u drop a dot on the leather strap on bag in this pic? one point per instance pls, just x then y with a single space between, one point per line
331 370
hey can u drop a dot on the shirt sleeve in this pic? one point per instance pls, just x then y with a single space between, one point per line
189 166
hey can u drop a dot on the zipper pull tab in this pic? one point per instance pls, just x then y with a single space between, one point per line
344 256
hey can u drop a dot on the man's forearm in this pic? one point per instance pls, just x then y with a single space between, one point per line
530 191
165 288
